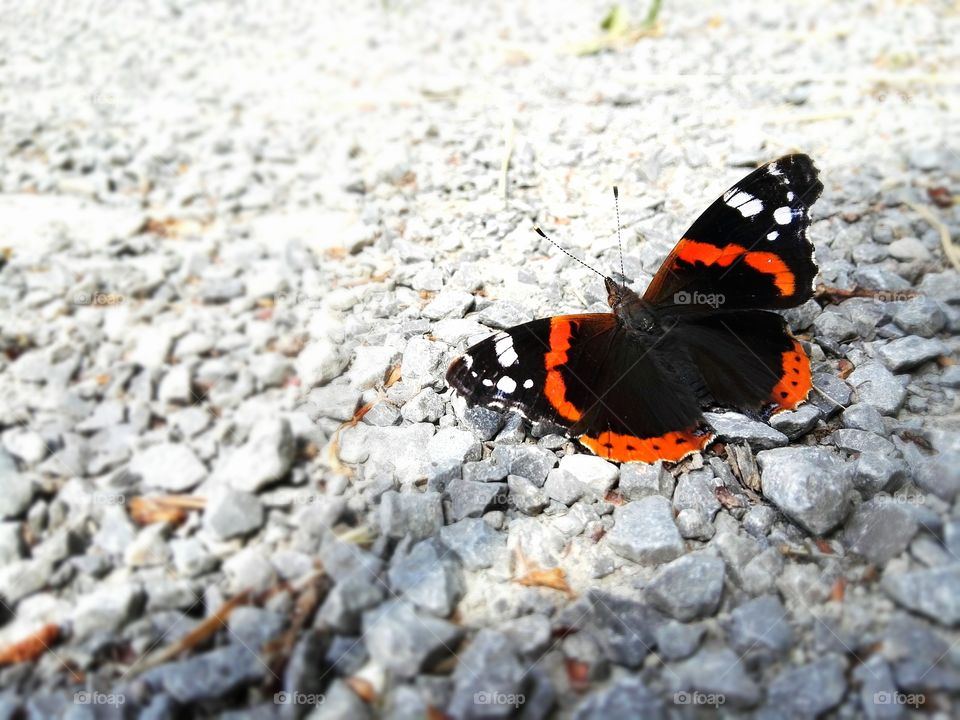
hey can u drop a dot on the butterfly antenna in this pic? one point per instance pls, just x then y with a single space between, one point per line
616 204
542 234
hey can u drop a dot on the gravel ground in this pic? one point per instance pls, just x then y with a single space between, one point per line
225 229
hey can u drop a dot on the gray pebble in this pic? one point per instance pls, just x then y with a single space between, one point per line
453 444
909 352
263 459
716 672
877 386
476 543
232 513
563 487
419 515
172 467
677 640
933 592
596 474
796 423
644 532
760 630
920 316
525 496
626 697
809 690
472 499
687 588
528 461
211 675
488 674
404 641
809 485
638 480
734 426
428 576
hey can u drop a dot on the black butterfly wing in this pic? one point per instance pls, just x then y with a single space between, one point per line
624 398
749 249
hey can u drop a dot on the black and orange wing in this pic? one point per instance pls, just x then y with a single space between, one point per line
748 360
622 399
749 249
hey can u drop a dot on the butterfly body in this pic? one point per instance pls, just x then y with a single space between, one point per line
632 384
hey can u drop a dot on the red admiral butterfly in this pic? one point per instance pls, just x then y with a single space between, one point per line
632 384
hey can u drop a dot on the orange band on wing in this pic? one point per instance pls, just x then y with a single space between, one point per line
555 389
672 447
796 381
768 263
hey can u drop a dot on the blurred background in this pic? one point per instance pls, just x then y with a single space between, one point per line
225 226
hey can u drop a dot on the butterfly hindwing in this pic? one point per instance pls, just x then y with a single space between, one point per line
749 248
748 360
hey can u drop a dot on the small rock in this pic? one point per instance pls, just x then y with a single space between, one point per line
472 499
687 588
911 351
734 426
405 642
263 459
834 326
336 401
808 485
487 676
209 676
525 496
877 386
232 513
528 461
453 445
809 690
933 592
716 672
172 467
796 423
370 365
476 543
877 690
320 362
448 304
176 385
832 394
425 406
644 532
563 487
418 515
428 577
696 491
760 630
18 489
861 441
105 610
627 697
422 361
596 474
880 529
861 416
638 480
920 316
875 472
677 640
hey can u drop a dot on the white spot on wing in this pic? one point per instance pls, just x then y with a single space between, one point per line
790 195
507 384
505 352
488 382
773 235
746 203
783 215
774 170
468 361
528 383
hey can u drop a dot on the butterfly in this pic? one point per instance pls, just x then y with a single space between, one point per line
632 384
